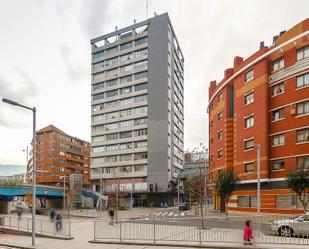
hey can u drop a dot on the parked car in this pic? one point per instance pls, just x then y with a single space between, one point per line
184 206
298 225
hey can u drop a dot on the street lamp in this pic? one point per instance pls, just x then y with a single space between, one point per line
33 109
27 152
63 177
258 206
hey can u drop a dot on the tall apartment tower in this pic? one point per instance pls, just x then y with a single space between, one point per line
137 110
263 100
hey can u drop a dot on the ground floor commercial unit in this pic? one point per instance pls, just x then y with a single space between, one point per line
276 198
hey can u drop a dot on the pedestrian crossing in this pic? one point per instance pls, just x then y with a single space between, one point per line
168 214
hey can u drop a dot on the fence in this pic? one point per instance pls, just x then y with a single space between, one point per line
267 229
42 226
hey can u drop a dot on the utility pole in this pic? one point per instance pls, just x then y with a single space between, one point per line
258 155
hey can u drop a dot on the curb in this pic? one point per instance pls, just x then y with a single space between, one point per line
16 246
173 245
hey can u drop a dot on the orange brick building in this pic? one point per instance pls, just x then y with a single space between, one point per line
263 100
61 155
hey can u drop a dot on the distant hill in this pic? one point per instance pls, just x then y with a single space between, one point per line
7 170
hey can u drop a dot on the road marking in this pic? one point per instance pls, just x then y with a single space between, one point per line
155 213
182 214
164 213
170 214
158 213
175 215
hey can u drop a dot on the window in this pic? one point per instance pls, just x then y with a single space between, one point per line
98 149
140 98
211 158
246 201
61 153
220 97
303 136
126 79
111 61
98 54
111 50
140 64
127 123
125 57
98 65
249 98
220 154
140 144
127 157
141 75
112 72
211 140
111 147
140 87
277 114
111 93
110 159
125 113
211 123
126 68
98 96
278 164
302 53
111 104
112 115
249 76
277 64
125 146
98 139
112 136
140 41
126 90
278 89
142 132
125 46
98 86
302 80
140 156
249 167
111 83
141 52
127 101
249 144
249 122
220 135
303 161
278 140
126 134
303 108
140 110
140 121
220 115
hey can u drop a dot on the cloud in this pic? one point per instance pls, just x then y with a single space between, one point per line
95 14
23 92
76 71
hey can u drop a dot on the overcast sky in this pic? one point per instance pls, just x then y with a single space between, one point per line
45 56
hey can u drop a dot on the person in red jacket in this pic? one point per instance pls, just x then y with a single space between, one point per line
248 233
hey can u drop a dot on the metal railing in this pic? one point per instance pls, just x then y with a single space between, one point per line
267 229
42 226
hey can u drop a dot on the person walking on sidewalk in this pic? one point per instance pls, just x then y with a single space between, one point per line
58 223
52 215
248 233
111 214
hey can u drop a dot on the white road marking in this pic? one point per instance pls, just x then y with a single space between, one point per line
175 215
182 214
158 213
170 214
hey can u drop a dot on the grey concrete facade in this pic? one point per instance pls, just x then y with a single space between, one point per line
148 140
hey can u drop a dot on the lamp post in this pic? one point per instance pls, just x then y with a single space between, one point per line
258 206
33 109
63 177
27 153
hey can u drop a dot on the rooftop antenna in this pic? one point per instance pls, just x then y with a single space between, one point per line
147 3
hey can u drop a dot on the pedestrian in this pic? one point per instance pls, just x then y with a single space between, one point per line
165 205
19 211
52 215
111 214
248 233
58 222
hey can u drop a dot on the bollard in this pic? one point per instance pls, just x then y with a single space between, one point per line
120 230
154 231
